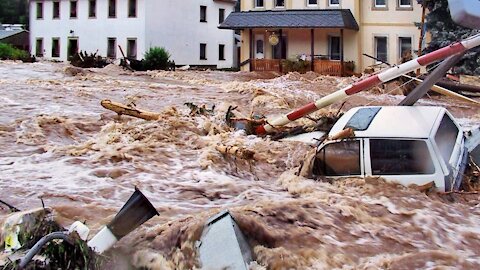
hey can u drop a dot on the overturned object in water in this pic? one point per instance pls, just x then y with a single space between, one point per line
223 245
136 211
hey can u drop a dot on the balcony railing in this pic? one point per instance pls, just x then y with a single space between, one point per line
266 65
327 67
320 66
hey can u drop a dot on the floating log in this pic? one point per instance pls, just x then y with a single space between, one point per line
458 87
346 133
444 91
122 109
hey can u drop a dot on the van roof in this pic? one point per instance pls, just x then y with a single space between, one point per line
390 121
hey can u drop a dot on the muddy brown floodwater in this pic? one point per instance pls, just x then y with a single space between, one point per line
59 144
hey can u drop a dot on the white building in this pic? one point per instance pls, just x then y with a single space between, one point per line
186 28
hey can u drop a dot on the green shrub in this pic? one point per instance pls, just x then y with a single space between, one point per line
299 66
7 51
157 58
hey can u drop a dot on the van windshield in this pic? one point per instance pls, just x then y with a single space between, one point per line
400 157
338 159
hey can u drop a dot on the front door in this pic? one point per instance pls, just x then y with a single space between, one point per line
259 46
72 47
279 51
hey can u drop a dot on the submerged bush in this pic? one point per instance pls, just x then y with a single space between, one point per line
9 52
157 58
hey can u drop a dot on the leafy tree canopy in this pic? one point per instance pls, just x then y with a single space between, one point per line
14 11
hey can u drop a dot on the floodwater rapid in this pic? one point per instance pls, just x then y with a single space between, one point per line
59 145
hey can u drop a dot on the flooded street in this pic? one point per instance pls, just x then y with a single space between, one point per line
59 144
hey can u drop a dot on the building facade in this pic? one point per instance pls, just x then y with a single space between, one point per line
187 29
331 34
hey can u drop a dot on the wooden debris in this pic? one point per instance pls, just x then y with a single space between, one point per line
346 133
85 60
122 109
236 151
199 110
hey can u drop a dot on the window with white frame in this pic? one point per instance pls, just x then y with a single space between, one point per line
279 3
112 8
203 51
39 10
405 3
73 9
132 8
39 47
333 3
56 10
381 51
112 48
55 47
404 46
312 3
92 8
380 3
132 48
259 3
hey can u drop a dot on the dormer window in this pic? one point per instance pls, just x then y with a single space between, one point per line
312 3
333 3
259 3
279 3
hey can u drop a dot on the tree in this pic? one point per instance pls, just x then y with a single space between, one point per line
445 31
14 11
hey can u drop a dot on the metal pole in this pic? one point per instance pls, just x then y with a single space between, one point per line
312 48
431 79
385 76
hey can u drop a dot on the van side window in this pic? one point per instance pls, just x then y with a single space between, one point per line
446 137
400 157
338 159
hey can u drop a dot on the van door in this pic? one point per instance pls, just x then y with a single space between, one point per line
339 158
407 161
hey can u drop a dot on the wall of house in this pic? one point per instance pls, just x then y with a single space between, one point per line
393 22
177 27
92 33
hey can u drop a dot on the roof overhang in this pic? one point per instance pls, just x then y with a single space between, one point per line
317 18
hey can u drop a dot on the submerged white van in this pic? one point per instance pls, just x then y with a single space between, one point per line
410 145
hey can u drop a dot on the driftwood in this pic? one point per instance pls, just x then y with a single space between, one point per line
85 60
444 91
346 133
236 151
122 109
199 110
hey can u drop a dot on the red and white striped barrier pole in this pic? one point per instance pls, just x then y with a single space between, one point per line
373 80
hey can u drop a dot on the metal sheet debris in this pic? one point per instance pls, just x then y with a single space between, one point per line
223 245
